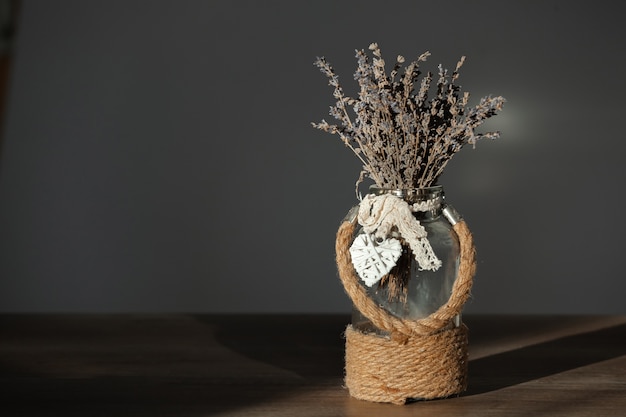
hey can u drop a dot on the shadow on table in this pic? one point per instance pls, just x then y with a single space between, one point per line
311 346
291 355
533 362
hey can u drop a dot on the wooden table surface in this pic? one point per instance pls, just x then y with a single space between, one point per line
292 365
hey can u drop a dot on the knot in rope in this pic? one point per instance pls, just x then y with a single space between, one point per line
380 214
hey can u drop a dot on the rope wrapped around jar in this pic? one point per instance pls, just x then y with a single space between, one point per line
419 359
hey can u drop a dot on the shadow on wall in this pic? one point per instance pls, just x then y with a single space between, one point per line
8 20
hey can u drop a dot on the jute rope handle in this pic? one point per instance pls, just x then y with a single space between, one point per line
402 329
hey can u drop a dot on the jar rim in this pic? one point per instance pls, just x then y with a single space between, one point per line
432 192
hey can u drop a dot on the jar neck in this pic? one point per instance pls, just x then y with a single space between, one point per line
427 203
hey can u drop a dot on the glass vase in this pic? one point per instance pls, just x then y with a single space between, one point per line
407 291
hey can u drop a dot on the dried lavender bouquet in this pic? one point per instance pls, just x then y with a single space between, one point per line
403 137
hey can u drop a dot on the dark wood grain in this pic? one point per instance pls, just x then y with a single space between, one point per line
292 365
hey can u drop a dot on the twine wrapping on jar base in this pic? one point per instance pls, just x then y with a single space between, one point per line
381 369
420 359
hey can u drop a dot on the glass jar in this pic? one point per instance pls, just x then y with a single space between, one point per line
407 291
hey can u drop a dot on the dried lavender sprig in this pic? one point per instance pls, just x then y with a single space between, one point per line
403 138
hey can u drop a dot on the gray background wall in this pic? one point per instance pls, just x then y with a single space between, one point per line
158 155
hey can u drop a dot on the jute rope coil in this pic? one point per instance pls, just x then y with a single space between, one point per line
425 358
380 369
